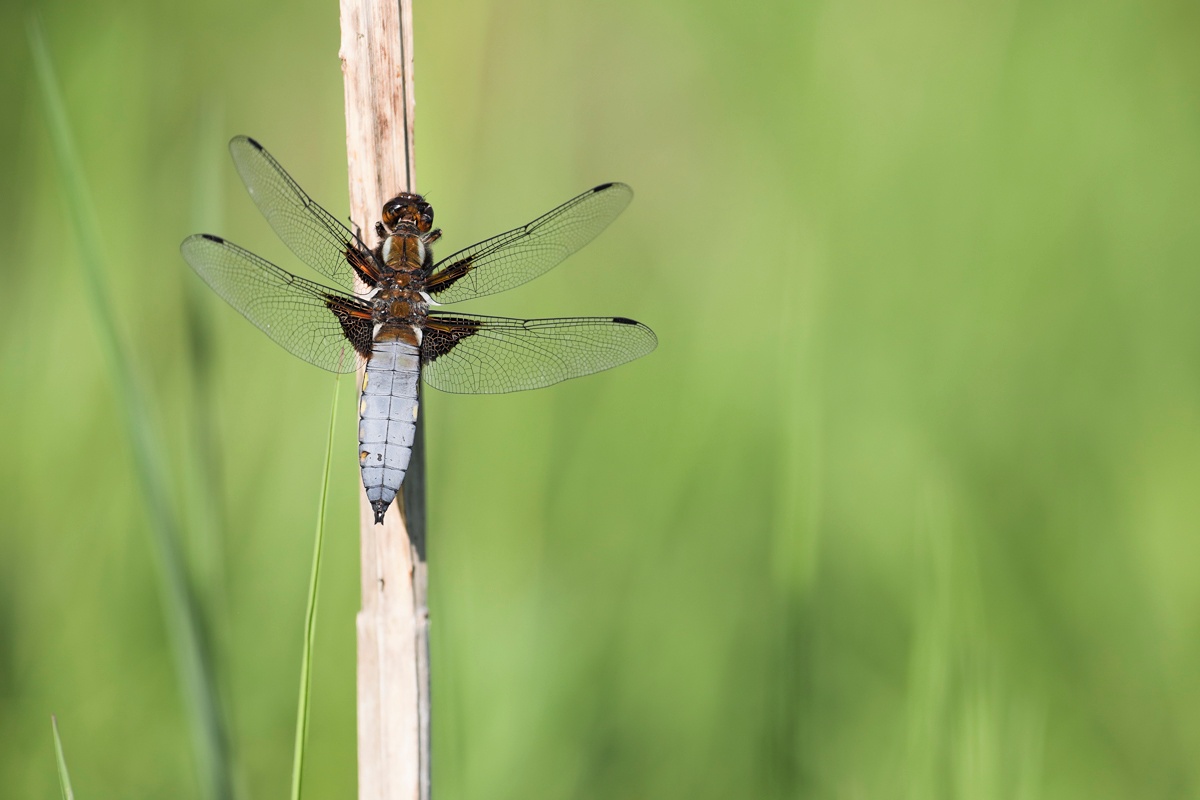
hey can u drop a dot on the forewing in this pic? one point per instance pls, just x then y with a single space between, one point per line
524 253
310 231
465 353
320 325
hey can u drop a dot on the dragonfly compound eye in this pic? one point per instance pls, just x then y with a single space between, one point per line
408 208
391 213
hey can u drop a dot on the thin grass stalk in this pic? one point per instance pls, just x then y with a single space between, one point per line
205 503
182 616
205 549
64 777
310 612
393 625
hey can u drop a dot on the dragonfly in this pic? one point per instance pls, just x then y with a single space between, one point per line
382 318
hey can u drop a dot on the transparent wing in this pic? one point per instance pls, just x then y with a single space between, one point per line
310 231
470 354
320 325
524 253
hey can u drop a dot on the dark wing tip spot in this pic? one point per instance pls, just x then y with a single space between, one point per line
212 238
603 186
254 142
625 321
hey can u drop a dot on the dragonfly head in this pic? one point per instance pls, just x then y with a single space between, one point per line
407 210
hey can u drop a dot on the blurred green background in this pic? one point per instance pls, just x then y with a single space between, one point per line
905 505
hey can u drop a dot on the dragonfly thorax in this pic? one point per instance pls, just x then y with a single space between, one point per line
404 252
398 304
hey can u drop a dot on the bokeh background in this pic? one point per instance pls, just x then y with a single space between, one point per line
905 505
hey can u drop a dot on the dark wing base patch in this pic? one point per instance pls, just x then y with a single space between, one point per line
448 275
443 333
355 319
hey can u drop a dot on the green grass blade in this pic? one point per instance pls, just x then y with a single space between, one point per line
149 454
64 777
310 614
205 550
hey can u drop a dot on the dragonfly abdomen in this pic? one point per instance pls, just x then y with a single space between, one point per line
387 420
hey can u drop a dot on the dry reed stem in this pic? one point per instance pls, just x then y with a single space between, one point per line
393 625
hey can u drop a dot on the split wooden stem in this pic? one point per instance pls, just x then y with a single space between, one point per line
393 625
